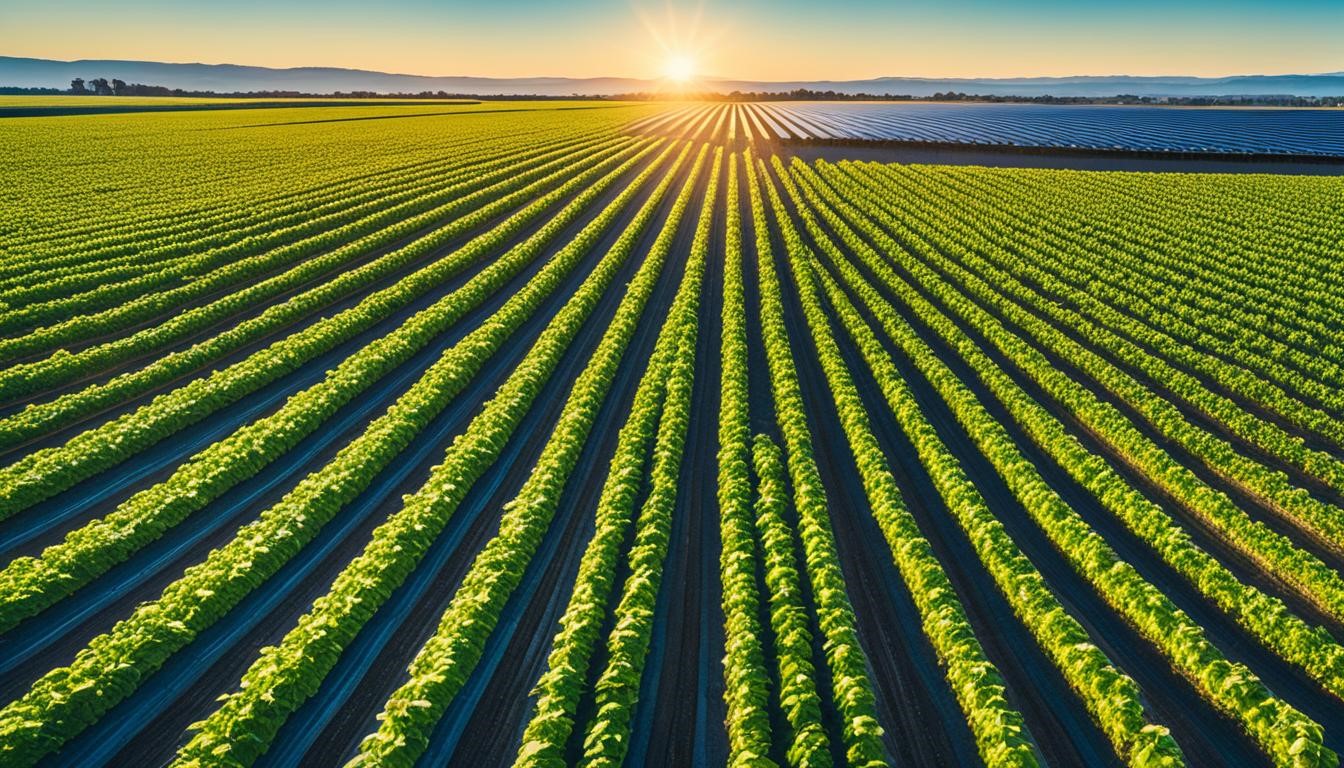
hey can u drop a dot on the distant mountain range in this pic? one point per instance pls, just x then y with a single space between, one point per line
224 78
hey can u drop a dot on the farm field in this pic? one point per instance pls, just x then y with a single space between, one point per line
602 433
1162 130
65 106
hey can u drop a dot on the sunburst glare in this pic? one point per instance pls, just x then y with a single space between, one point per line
682 42
679 68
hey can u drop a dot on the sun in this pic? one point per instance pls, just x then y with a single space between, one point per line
679 68
680 46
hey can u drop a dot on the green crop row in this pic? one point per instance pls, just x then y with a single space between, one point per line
1316 580
607 738
149 251
317 255
999 730
1131 279
853 691
560 686
1323 519
28 585
114 664
1287 736
47 472
1264 616
798 696
99 287
286 675
746 690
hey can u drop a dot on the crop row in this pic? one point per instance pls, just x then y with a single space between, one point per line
286 675
1287 736
117 305
46 472
799 698
1134 277
560 686
1264 616
114 664
1242 242
1321 518
154 176
853 691
1111 697
128 256
91 286
746 692
41 418
607 737
1275 552
29 585
335 246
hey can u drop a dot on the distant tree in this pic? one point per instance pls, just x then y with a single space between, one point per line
77 86
18 90
137 89
101 86
118 87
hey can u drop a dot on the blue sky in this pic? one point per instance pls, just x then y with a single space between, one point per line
752 39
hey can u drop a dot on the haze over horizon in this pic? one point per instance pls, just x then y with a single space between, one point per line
706 77
753 40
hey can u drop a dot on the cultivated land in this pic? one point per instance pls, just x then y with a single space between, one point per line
592 433
1086 137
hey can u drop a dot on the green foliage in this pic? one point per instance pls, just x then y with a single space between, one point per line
44 473
28 585
562 683
1099 328
1171 321
114 663
999 729
745 679
445 661
286 675
852 691
480 181
798 696
607 738
1288 736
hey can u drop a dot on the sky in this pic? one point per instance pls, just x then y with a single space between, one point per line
744 39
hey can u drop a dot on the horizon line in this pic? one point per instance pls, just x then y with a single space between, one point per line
705 78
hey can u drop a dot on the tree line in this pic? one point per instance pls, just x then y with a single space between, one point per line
102 86
805 94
